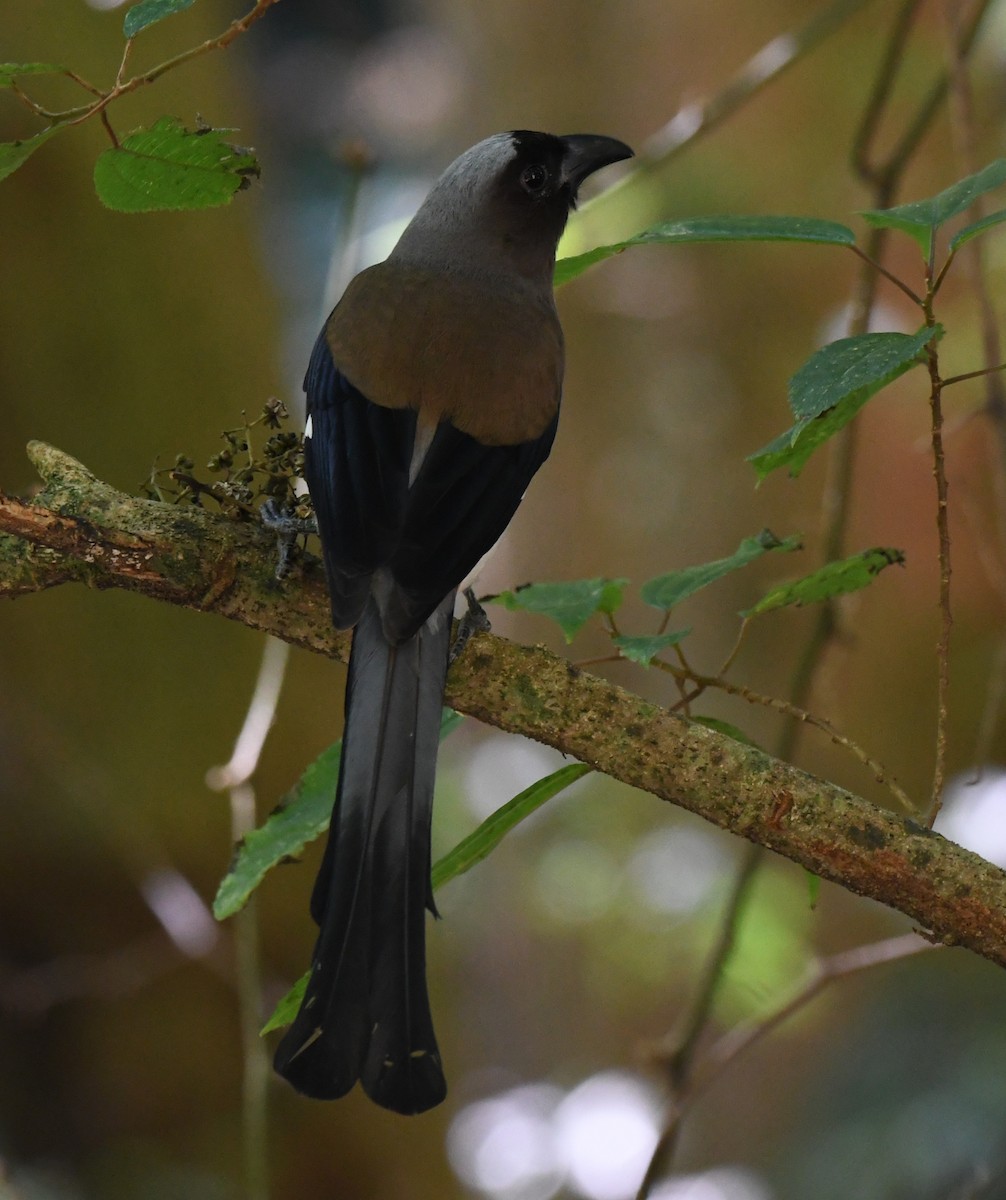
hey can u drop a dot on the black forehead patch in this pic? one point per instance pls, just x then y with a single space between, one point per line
533 147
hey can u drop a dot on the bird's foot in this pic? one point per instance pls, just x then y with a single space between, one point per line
475 620
287 527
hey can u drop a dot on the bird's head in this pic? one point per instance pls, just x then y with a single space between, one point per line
503 204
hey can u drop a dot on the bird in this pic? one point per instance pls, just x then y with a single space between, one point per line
433 395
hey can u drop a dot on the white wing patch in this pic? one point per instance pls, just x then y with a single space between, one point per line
308 428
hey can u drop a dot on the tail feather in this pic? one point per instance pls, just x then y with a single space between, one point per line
366 1013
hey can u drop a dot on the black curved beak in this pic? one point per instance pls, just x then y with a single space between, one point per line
589 152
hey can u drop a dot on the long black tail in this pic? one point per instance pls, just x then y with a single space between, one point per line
366 1013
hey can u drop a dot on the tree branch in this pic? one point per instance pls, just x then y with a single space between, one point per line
79 528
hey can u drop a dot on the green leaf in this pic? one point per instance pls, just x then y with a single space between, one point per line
171 167
834 579
725 727
149 12
643 649
833 385
665 591
714 229
286 1010
570 605
922 218
9 72
970 231
301 816
13 154
471 850
479 844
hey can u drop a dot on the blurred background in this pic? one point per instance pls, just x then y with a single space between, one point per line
579 944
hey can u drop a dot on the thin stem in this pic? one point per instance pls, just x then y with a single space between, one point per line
877 266
837 967
942 274
37 109
255 1060
801 715
237 27
735 1043
108 128
884 177
126 51
880 95
974 374
234 777
764 67
82 82
946 613
731 658
680 1060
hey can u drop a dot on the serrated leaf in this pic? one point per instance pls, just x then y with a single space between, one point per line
738 228
970 231
169 167
14 154
479 844
833 579
726 728
833 385
9 72
922 218
149 12
665 591
570 605
643 648
302 815
469 851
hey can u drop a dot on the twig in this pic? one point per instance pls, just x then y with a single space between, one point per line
879 176
696 119
733 1044
974 374
76 116
234 777
680 1060
801 715
943 535
875 265
837 967
257 723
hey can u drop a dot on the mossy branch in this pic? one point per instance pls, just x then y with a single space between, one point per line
80 529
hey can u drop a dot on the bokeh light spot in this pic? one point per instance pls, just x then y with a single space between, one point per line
606 1131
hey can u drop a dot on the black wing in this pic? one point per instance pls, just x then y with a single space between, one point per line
356 464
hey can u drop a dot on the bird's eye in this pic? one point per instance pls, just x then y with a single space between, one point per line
533 178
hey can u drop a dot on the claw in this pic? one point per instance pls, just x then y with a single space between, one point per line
287 529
